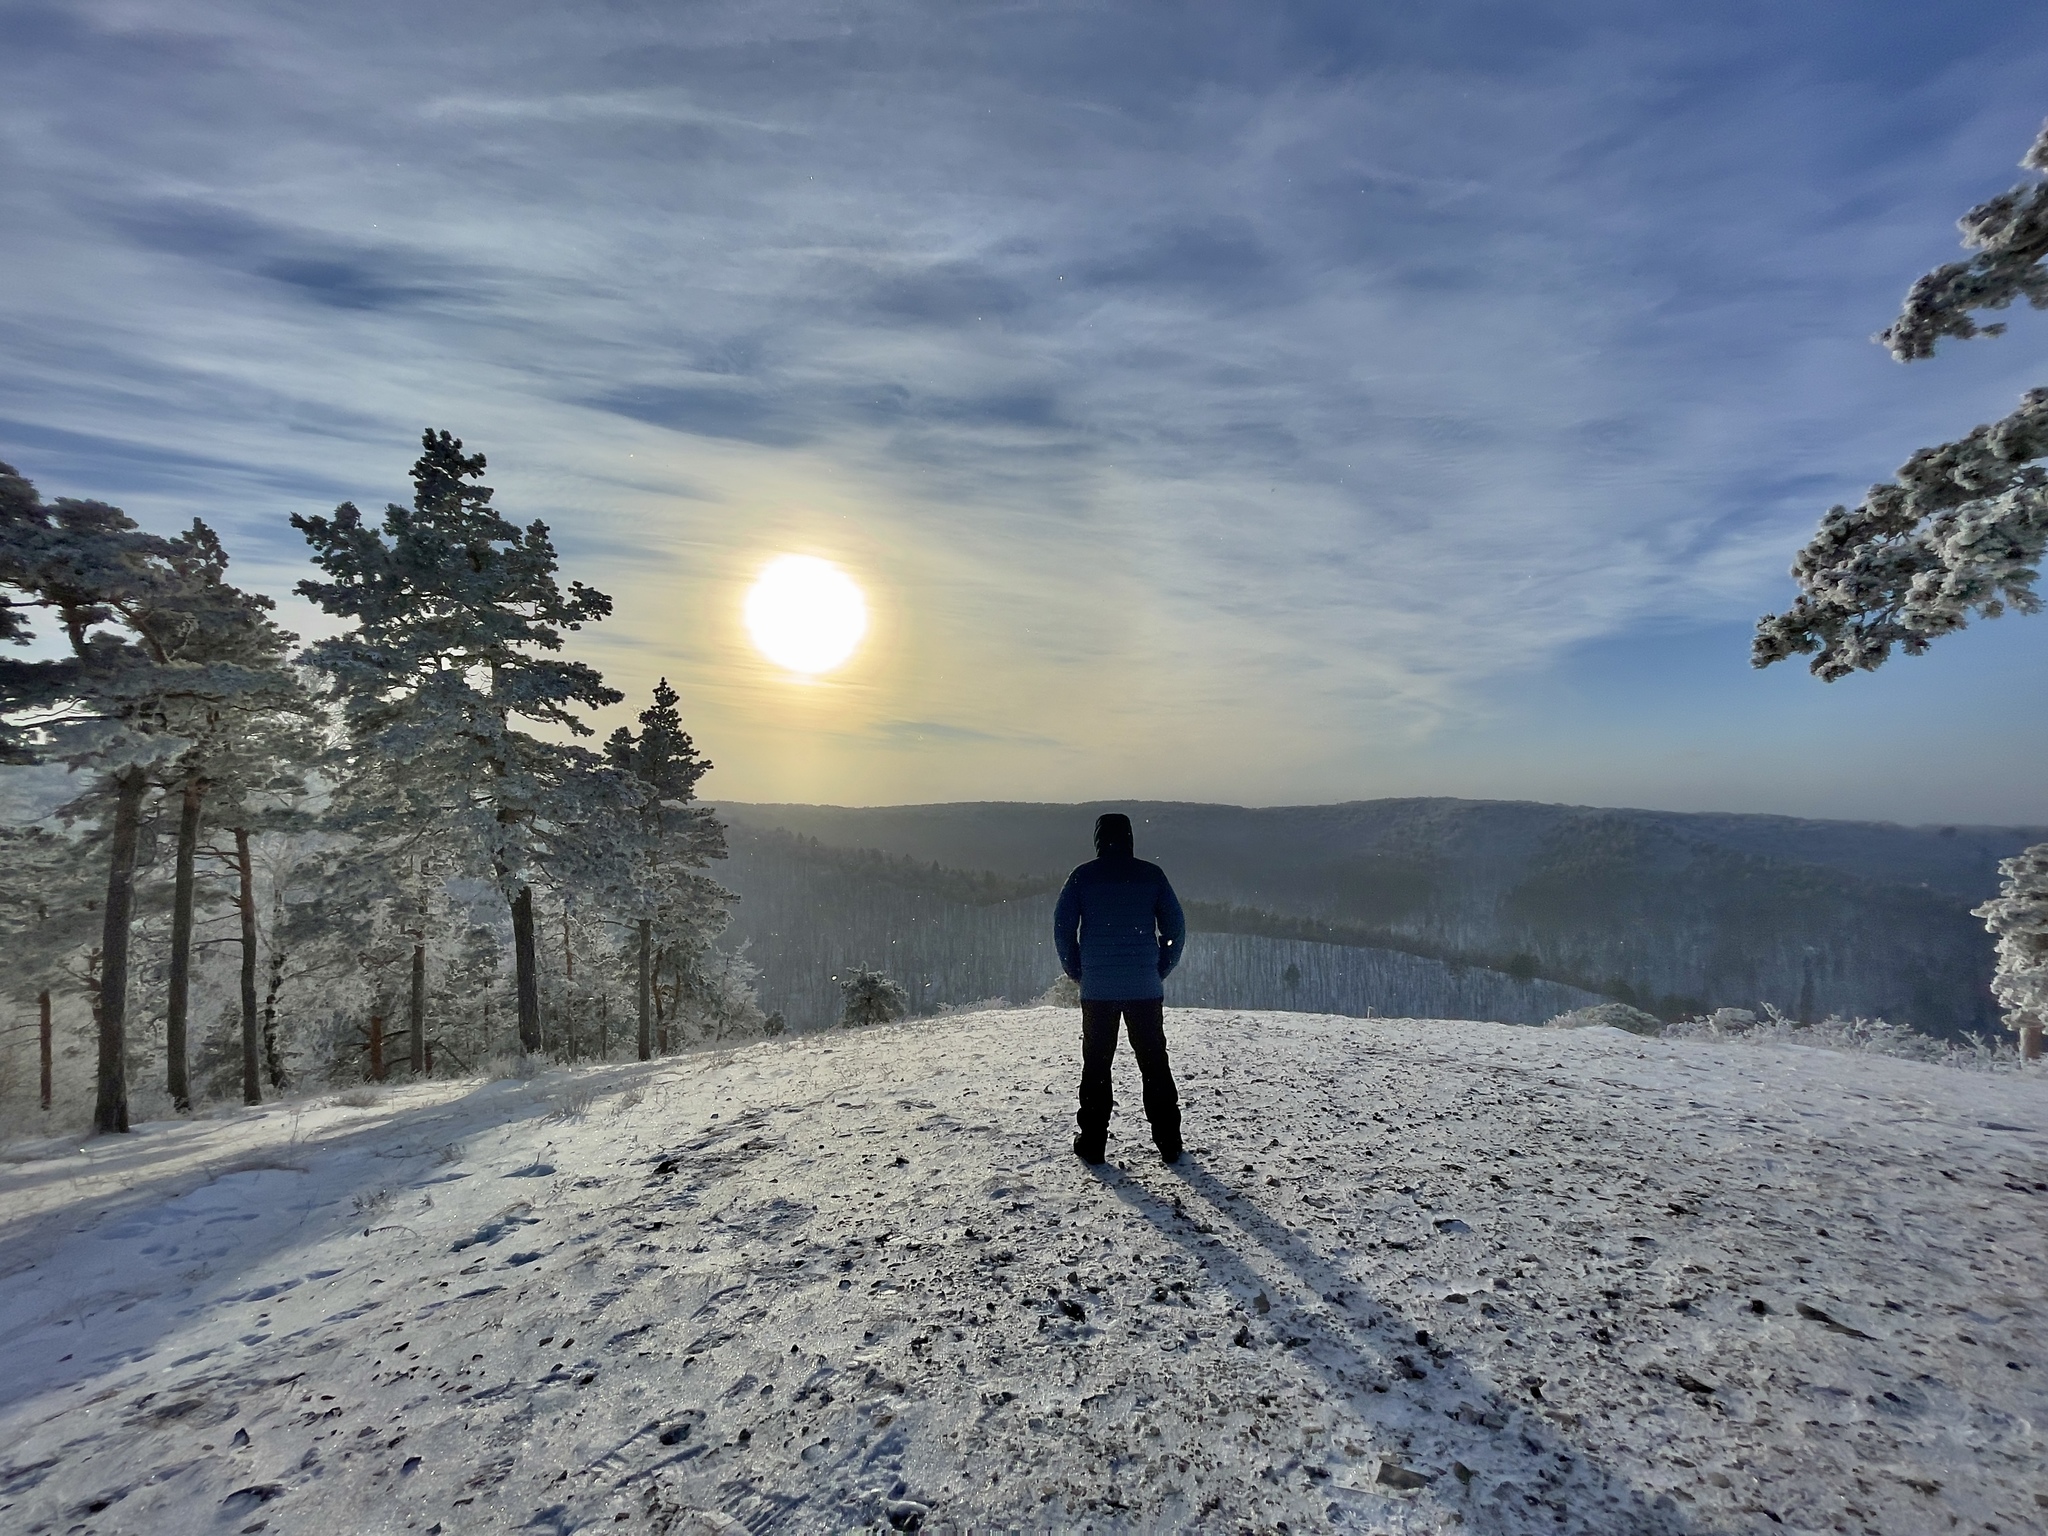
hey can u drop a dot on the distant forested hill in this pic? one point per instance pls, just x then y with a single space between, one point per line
1673 912
808 913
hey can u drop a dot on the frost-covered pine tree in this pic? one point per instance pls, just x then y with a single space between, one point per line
260 792
89 566
724 985
248 733
871 998
49 923
333 954
285 858
675 911
1958 533
136 613
1960 530
457 617
373 902
467 982
32 537
2019 917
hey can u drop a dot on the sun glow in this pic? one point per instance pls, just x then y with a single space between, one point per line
805 614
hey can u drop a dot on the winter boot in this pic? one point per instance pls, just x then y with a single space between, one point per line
1088 1151
1169 1152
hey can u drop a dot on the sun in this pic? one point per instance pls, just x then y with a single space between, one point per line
805 614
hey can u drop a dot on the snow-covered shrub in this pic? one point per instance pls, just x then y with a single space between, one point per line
1731 1021
1868 1037
573 1105
871 998
2019 917
1608 1016
1063 993
512 1065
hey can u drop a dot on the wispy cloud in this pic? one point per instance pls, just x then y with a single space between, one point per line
920 733
1239 390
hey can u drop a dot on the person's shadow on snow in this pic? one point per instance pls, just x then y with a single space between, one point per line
1495 1461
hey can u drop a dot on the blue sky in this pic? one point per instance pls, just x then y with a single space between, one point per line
1256 403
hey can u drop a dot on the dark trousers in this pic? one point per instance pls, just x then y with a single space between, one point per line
1146 1020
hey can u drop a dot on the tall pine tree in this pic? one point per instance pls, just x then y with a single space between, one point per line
457 617
250 733
676 912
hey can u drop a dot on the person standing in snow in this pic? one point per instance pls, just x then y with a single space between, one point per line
1119 932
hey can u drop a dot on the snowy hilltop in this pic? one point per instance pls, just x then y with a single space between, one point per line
1412 1276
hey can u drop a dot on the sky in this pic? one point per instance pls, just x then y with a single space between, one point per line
1266 404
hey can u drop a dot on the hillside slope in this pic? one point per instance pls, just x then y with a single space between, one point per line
1675 912
1412 1277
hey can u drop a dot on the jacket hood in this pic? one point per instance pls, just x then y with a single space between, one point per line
1113 834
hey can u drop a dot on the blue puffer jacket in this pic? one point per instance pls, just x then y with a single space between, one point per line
1119 929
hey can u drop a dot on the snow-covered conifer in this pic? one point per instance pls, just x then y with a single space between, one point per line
90 566
247 813
467 984
351 936
248 737
871 998
2018 915
50 923
457 615
137 614
1958 533
676 913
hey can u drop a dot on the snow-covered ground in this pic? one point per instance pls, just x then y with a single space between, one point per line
1412 1276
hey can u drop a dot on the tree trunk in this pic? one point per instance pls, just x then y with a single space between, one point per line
418 1011
273 1061
661 1014
526 982
2030 1042
568 980
646 987
660 1018
110 1109
672 1034
43 1039
178 1075
376 1047
245 898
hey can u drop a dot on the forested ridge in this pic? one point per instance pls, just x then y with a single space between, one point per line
1675 913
